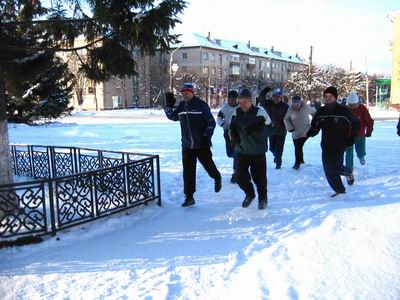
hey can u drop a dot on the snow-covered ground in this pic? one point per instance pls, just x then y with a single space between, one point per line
305 245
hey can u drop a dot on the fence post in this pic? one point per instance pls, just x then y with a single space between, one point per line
52 214
158 180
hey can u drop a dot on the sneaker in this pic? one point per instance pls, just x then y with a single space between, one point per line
217 184
233 179
247 201
362 161
350 179
296 166
337 194
188 202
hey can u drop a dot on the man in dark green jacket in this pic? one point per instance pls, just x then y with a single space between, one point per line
249 130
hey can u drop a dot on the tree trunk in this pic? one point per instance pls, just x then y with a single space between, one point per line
6 174
8 203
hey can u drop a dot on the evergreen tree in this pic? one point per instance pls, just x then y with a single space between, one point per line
31 34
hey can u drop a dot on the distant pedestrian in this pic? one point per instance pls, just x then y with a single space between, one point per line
366 128
223 120
197 128
297 121
262 97
339 128
249 129
398 127
277 110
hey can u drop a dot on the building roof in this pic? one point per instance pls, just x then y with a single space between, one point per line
199 40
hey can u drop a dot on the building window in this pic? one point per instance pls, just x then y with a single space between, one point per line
268 75
220 59
213 71
205 55
213 57
90 86
206 70
184 56
259 64
268 64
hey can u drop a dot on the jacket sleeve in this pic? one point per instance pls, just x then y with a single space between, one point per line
220 118
355 124
369 121
173 113
398 127
209 120
288 123
315 126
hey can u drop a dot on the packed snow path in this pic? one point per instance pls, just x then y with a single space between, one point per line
305 245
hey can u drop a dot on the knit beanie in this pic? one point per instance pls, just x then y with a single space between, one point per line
331 90
352 98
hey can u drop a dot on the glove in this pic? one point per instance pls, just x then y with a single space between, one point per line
234 140
368 134
170 99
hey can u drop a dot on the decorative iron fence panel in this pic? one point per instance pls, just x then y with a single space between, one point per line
80 185
23 209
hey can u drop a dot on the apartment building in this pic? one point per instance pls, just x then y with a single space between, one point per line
216 65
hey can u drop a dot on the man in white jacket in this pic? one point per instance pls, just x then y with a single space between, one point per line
223 120
297 122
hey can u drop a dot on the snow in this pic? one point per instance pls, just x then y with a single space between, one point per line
305 245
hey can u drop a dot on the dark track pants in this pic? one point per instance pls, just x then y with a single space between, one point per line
230 151
276 144
298 149
258 170
333 168
189 160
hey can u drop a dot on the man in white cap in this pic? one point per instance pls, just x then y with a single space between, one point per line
366 128
197 127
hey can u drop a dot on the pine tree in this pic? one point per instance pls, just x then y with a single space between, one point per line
31 35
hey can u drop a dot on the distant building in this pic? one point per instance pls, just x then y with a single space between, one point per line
395 86
216 65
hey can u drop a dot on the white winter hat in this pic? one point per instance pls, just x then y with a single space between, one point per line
352 98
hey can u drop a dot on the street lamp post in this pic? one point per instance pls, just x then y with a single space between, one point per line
172 67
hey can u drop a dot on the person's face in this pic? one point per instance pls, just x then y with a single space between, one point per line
329 98
245 104
296 105
354 106
276 99
187 96
232 101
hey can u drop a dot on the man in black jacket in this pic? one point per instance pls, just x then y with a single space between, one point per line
249 129
277 109
197 128
339 128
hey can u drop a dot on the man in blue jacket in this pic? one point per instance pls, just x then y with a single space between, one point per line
197 128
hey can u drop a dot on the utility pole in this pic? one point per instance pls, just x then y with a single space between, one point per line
310 65
310 72
366 81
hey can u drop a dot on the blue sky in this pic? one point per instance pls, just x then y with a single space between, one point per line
340 31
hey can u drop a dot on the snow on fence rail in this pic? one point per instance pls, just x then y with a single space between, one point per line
73 186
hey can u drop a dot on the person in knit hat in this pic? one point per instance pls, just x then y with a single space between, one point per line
277 109
249 129
197 127
366 128
297 122
339 128
224 120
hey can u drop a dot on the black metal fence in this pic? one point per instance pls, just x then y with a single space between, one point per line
72 186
